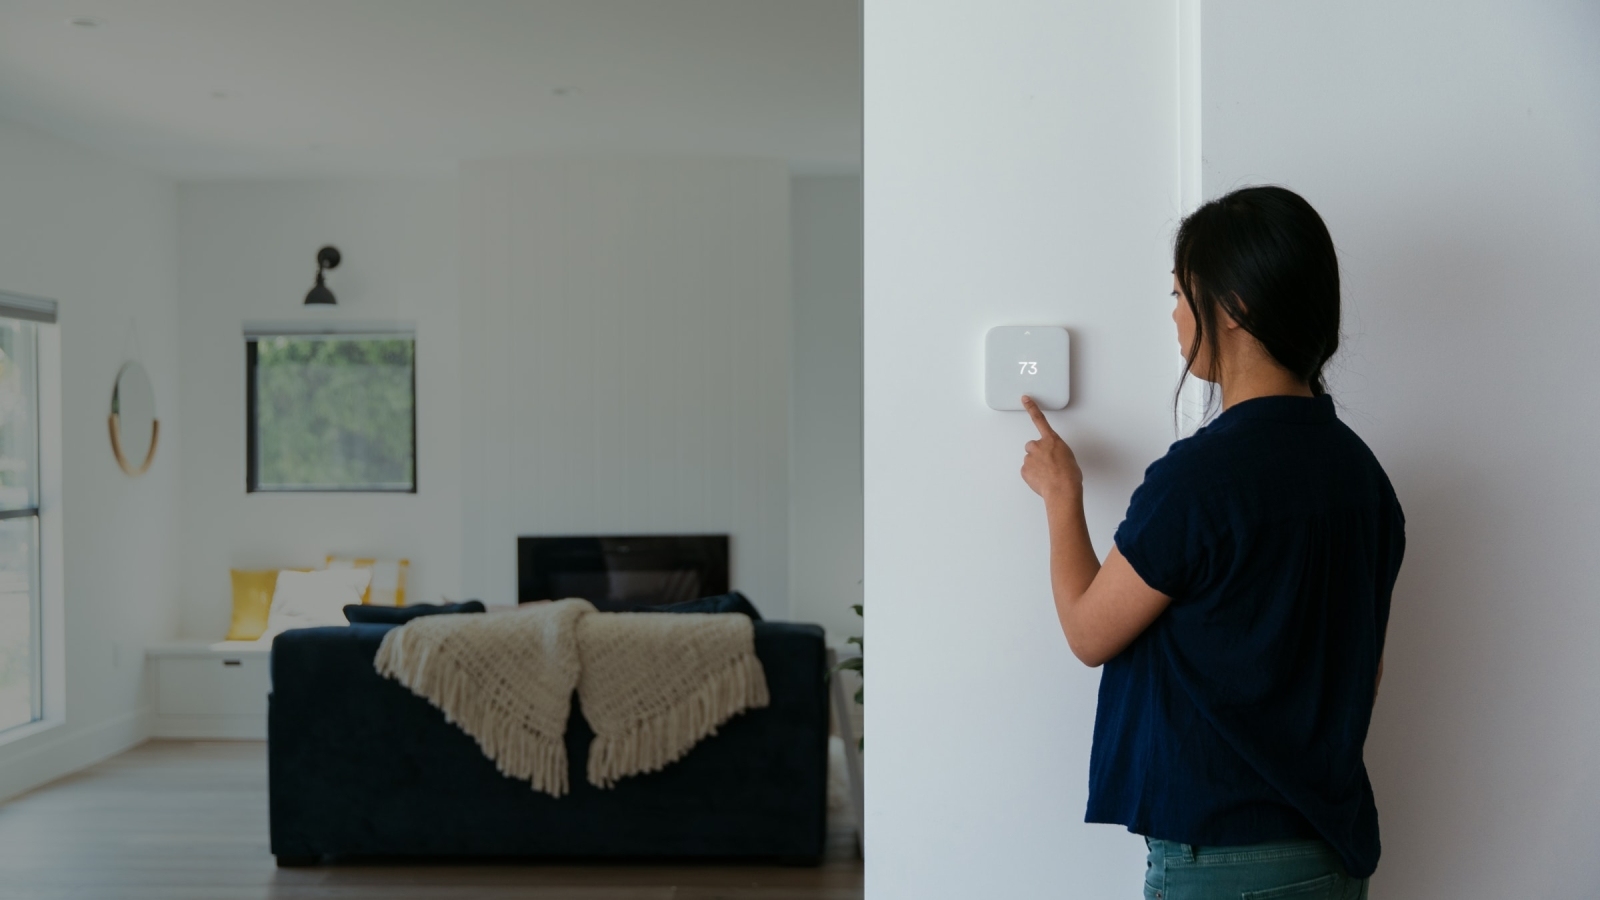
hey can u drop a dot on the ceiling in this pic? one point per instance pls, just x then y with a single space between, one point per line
210 89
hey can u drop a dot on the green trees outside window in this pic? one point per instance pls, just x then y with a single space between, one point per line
332 413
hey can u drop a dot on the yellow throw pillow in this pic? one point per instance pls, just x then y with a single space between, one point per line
252 600
388 587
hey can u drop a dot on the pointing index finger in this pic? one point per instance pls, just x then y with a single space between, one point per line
1037 416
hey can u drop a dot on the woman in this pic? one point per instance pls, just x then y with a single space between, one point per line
1241 615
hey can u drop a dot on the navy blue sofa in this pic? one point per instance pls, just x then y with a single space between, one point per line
359 766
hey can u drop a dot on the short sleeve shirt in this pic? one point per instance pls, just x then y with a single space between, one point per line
1239 715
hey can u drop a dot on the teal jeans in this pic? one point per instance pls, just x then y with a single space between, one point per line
1281 870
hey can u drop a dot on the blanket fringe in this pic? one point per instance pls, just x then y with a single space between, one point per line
651 743
516 752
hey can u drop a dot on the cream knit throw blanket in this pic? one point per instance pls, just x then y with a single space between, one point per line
651 684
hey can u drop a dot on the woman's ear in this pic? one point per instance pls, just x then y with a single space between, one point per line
1225 318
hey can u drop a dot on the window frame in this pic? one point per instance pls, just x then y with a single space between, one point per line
36 647
36 312
255 333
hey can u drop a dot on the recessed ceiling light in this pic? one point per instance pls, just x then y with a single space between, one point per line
84 22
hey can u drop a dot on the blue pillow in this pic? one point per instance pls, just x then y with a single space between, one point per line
356 613
732 602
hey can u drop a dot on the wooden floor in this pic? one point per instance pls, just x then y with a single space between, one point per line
184 820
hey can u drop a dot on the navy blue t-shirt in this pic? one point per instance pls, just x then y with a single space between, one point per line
1239 715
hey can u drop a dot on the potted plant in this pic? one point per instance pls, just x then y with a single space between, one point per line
854 664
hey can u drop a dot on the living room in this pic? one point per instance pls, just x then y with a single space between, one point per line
727 309
610 255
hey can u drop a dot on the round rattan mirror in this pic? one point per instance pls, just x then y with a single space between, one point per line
134 427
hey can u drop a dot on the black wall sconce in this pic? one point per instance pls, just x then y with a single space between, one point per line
327 258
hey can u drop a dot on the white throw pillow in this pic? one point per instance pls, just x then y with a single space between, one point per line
388 578
313 599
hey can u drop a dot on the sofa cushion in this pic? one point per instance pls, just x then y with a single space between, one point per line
399 615
731 602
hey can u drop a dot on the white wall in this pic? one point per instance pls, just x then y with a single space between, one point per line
825 421
247 252
243 251
99 238
1021 167
625 348
1454 151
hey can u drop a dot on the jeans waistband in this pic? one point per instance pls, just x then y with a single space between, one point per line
1191 853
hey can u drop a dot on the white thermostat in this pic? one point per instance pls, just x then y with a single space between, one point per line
1026 359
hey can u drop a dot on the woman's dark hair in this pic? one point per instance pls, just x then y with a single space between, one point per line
1263 256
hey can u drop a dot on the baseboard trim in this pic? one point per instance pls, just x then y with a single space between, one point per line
34 762
211 727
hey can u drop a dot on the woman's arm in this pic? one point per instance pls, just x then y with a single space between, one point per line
1101 608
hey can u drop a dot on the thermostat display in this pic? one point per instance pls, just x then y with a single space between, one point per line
1027 359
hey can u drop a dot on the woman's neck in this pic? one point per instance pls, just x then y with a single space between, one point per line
1261 378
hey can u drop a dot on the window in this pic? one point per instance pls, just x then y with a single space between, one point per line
331 412
21 644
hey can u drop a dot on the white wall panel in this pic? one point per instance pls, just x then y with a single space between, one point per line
100 238
1021 167
626 359
247 253
1454 151
825 426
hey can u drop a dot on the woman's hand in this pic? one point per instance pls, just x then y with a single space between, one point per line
1050 467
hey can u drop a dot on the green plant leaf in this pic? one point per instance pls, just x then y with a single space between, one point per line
853 664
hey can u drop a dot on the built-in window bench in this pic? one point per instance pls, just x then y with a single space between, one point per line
211 689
